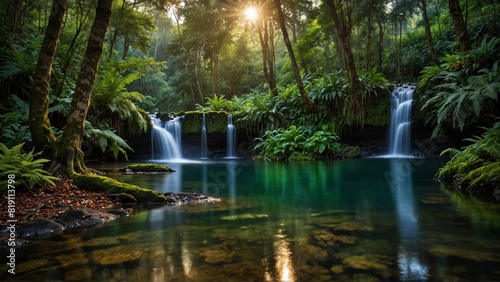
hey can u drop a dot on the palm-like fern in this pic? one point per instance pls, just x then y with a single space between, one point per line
106 139
28 171
463 100
114 105
477 165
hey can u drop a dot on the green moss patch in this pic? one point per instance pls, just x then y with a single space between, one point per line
110 186
146 168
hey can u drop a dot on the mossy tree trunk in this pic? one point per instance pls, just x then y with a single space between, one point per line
68 154
39 122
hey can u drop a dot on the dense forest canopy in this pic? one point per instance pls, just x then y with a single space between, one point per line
318 66
211 48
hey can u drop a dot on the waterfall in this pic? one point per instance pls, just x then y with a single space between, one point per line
231 137
400 134
164 145
174 127
204 149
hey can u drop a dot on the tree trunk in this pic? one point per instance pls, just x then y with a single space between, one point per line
345 36
380 47
369 40
266 42
459 25
428 33
68 152
39 122
296 72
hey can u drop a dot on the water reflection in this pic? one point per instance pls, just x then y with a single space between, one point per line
308 221
283 257
401 183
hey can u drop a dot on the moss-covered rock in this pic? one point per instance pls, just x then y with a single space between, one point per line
350 152
215 121
117 255
146 168
110 186
364 263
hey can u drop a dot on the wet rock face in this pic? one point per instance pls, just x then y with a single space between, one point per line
84 217
71 218
40 227
185 197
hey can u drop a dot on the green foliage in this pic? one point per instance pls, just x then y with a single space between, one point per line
106 139
218 103
462 100
21 60
297 143
328 88
27 169
463 90
113 104
477 166
260 112
14 121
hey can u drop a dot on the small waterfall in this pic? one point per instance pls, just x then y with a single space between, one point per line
174 127
163 144
400 134
204 149
231 137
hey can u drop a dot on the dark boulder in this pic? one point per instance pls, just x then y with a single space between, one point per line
84 217
40 227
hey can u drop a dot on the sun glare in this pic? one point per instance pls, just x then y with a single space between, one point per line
251 13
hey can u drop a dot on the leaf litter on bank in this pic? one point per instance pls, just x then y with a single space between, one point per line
49 201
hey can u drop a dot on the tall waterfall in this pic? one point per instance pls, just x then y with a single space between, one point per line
400 134
231 137
164 145
204 149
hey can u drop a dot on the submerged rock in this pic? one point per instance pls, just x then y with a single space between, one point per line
217 255
337 269
116 255
352 226
78 274
245 216
442 251
364 263
324 237
72 259
31 265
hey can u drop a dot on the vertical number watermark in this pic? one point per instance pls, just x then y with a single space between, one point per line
11 228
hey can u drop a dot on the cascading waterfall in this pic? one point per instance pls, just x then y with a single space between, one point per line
163 144
174 127
401 105
204 149
231 137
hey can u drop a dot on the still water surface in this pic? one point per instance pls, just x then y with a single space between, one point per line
365 219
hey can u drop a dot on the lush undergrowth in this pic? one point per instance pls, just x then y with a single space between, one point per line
476 167
457 96
19 169
297 143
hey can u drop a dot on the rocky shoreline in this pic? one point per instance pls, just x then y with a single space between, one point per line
52 210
